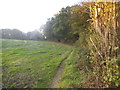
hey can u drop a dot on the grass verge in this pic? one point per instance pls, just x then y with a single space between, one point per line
73 76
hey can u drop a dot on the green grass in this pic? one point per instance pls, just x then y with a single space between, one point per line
31 64
72 76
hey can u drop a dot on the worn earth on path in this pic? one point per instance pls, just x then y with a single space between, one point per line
59 72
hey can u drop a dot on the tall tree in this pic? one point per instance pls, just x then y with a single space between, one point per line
69 24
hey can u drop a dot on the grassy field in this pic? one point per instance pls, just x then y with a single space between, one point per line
34 63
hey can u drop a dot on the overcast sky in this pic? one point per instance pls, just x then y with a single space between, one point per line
28 15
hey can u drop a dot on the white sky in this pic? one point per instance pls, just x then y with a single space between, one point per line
28 15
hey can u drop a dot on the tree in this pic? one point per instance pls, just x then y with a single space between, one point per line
17 34
68 25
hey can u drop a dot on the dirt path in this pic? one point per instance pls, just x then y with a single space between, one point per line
58 74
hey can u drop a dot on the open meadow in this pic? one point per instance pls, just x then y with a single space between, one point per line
34 64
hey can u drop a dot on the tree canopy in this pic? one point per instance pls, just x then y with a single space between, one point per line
68 25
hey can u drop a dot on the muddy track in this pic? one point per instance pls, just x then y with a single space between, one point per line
58 74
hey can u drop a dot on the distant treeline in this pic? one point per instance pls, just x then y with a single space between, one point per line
69 25
17 34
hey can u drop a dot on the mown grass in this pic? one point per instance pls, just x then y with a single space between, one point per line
31 63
